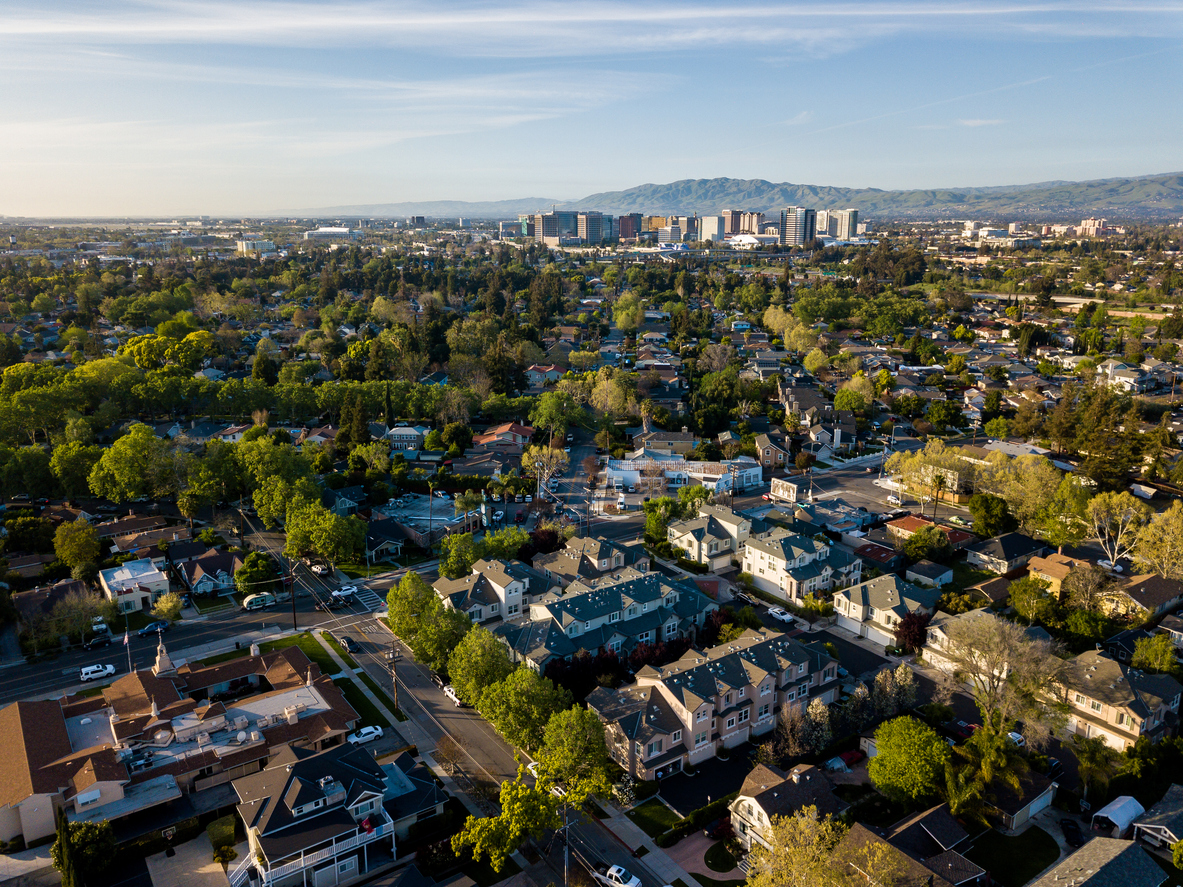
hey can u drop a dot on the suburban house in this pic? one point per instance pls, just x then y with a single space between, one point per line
902 529
773 451
681 713
405 437
1108 698
211 573
874 609
384 539
1144 595
1004 554
929 574
937 640
861 843
769 791
667 442
134 585
586 558
345 501
1105 862
159 733
712 538
510 437
644 608
1016 808
495 589
936 840
1053 569
537 375
789 566
1162 824
315 817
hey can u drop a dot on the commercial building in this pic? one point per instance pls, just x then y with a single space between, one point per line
628 227
847 224
712 228
798 226
247 247
732 219
134 585
669 234
330 234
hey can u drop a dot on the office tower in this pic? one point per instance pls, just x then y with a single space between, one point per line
590 227
751 223
688 224
798 225
558 223
712 228
669 234
629 226
847 224
731 221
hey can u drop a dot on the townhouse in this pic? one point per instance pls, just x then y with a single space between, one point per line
874 609
789 566
1116 702
611 615
682 713
586 558
495 589
713 538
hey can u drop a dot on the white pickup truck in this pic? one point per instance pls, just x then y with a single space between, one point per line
617 876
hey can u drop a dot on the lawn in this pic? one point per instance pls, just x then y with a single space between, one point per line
483 873
382 695
965 576
653 817
311 647
718 858
367 711
212 605
1013 861
339 650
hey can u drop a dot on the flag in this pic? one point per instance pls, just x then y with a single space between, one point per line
125 639
367 826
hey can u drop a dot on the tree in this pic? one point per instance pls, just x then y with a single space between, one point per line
1086 588
658 514
1155 653
544 462
1117 519
690 497
574 752
504 544
89 848
72 463
815 360
553 412
62 852
928 543
912 631
1063 520
991 515
1160 543
794 731
128 467
479 661
405 602
77 543
1007 673
458 552
1096 760
998 428
168 607
818 714
1031 600
909 765
906 688
522 705
257 574
849 399
800 852
884 694
526 812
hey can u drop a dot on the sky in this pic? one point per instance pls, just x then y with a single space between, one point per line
169 108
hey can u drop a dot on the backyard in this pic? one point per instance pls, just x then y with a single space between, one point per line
1013 860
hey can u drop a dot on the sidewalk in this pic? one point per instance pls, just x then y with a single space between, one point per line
657 860
29 866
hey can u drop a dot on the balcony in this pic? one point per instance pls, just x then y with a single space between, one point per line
261 874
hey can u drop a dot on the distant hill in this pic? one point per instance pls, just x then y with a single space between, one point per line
1148 198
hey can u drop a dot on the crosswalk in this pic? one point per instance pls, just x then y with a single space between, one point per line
369 598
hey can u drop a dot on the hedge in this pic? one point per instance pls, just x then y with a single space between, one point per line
700 818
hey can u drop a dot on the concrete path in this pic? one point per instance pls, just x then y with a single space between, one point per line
27 864
659 861
191 865
690 854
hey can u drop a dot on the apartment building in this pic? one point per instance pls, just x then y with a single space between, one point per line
495 589
789 566
618 616
587 558
1110 699
712 538
874 609
798 225
682 713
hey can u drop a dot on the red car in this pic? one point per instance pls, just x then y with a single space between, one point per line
520 517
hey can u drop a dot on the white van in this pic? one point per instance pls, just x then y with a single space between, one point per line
893 499
258 601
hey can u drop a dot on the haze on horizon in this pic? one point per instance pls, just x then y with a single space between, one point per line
169 107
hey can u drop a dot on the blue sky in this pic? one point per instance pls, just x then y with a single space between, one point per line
163 108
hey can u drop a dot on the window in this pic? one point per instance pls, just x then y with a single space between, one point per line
671 629
614 646
1095 706
511 610
763 712
640 750
742 692
791 694
669 601
587 626
700 739
572 630
727 699
632 611
731 722
765 689
676 736
494 608
654 748
1121 719
744 715
1080 700
702 714
613 617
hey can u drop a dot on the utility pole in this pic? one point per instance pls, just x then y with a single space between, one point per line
392 658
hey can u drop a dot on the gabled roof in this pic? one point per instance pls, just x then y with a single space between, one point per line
1167 814
1105 862
781 794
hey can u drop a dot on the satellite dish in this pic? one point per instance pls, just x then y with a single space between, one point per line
242 736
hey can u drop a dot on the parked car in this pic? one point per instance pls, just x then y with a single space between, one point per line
766 497
437 680
781 615
1072 833
99 640
719 829
1017 739
498 516
364 735
152 627
95 672
520 517
745 599
617 876
570 438
450 692
529 498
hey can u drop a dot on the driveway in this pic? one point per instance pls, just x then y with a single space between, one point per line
857 660
712 780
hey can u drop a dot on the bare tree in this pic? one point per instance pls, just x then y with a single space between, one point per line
1116 520
449 753
1086 587
715 358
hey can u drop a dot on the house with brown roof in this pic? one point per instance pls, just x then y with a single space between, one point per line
1145 596
769 791
902 529
1053 569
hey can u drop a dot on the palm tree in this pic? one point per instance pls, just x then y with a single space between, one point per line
1096 760
468 502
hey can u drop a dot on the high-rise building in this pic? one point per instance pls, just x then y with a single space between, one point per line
688 224
798 225
669 234
731 221
629 226
590 227
555 224
712 228
751 223
847 224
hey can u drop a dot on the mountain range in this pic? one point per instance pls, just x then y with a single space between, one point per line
1142 198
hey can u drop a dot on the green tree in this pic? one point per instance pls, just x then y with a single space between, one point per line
1031 600
479 661
72 464
815 360
128 467
928 543
168 607
1177 854
998 428
522 705
658 514
1160 543
89 849
910 762
405 602
1096 761
991 515
77 543
257 574
849 399
526 812
35 534
1117 519
799 853
554 411
458 552
504 544
573 752
690 497
1155 653
1063 520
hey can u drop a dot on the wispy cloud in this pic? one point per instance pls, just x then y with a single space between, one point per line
974 122
799 119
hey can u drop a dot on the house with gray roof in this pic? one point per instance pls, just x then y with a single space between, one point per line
589 557
495 590
1162 824
647 608
713 537
1105 862
682 713
874 608
790 566
1117 702
769 791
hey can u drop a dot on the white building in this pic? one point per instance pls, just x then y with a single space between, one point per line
789 566
135 585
